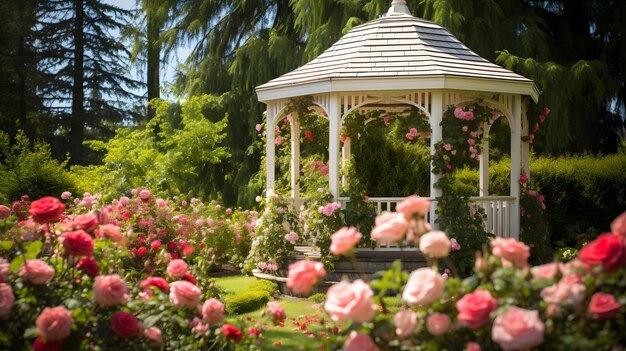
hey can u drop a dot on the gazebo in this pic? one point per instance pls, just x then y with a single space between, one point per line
401 60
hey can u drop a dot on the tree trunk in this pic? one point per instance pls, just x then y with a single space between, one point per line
77 125
154 57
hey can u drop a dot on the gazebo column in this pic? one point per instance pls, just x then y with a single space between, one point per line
334 119
516 135
525 143
484 169
345 159
269 152
436 115
295 157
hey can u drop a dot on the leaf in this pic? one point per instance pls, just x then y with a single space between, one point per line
16 263
31 333
33 249
6 245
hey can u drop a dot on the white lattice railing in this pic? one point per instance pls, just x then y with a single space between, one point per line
497 210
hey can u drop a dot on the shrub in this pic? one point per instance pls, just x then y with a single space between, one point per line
264 285
319 297
247 301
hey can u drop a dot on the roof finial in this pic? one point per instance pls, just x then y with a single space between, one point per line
398 7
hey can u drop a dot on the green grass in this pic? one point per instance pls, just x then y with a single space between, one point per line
234 284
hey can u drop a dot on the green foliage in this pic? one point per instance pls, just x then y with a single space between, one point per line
30 169
247 301
172 154
318 298
264 285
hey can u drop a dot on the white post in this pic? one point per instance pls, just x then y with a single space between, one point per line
436 115
516 134
334 119
295 157
484 167
525 144
269 152
345 156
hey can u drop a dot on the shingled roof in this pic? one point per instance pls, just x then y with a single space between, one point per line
397 45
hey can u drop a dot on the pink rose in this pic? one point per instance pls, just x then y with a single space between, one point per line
406 322
413 204
438 324
458 112
472 346
110 290
5 212
390 227
344 240
618 226
258 127
55 323
276 311
212 311
154 334
78 243
6 301
144 194
177 269
424 287
435 244
546 271
184 293
46 210
565 291
360 342
475 307
303 275
86 222
511 250
36 271
603 306
518 329
125 325
110 231
354 301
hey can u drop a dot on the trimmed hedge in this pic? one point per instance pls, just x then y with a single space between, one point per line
247 301
264 285
583 194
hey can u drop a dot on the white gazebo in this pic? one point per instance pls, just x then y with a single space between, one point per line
400 60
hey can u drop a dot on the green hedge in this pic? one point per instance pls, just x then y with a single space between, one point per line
264 285
247 301
583 194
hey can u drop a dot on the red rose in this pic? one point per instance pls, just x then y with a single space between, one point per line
157 282
125 325
231 332
607 250
51 345
188 277
475 308
142 251
19 209
603 306
47 209
254 331
89 266
78 243
155 245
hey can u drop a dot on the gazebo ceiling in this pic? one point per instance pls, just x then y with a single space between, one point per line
396 52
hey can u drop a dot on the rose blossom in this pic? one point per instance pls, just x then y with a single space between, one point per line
475 307
78 243
344 240
511 250
88 265
184 293
292 237
125 325
110 290
154 334
607 250
546 271
86 222
46 210
472 346
424 287
303 275
360 342
459 113
5 212
567 290
518 329
55 323
6 301
50 345
276 311
602 306
177 269
618 226
231 332
413 204
36 271
406 322
390 227
354 301
438 324
212 311
110 231
144 194
435 244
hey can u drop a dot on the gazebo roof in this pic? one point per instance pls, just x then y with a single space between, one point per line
397 51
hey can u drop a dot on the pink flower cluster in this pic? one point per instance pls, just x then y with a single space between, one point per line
318 166
465 115
329 209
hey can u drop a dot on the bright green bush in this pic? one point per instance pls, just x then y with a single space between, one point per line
319 297
247 301
29 169
264 285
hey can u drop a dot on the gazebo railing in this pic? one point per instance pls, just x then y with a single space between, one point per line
497 210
